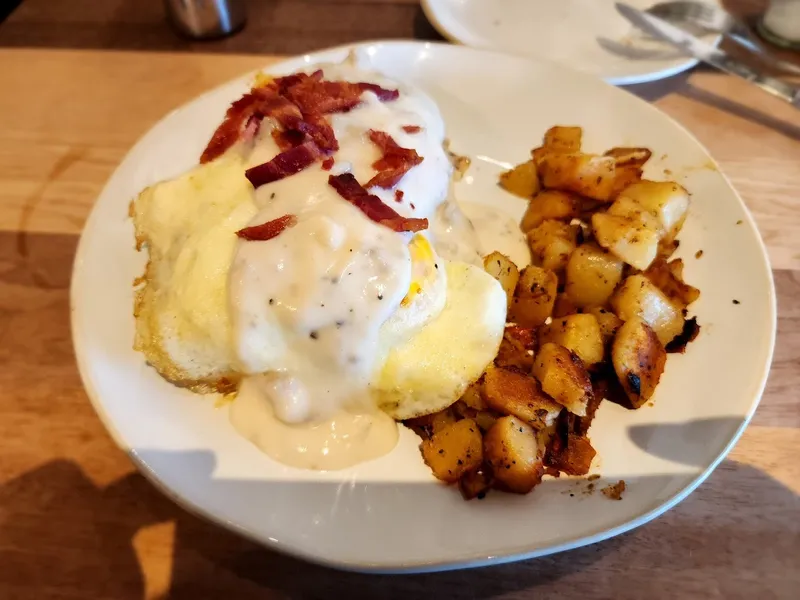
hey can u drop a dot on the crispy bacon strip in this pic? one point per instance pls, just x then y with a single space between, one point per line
284 83
288 139
230 129
286 163
383 94
395 163
412 128
348 188
268 230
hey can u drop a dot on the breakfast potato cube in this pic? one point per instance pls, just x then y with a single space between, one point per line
522 180
504 270
472 396
667 201
512 393
564 306
559 139
516 348
585 174
629 157
639 359
512 450
668 277
580 425
592 275
573 457
551 242
427 425
563 377
629 232
638 297
534 297
485 419
454 450
475 484
607 320
579 333
550 204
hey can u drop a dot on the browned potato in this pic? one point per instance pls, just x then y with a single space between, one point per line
579 333
504 270
551 242
559 139
639 359
427 425
638 297
517 348
573 457
551 204
473 398
668 277
629 232
454 450
564 306
667 201
513 452
585 174
522 180
475 484
534 297
512 393
630 157
563 377
607 320
591 276
485 419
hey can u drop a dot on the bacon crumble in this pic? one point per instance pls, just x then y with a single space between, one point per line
348 188
327 164
284 164
268 230
398 195
412 128
395 162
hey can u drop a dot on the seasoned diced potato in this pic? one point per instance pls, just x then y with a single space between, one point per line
639 358
559 139
629 157
473 398
428 425
573 457
485 419
585 174
668 277
516 348
513 452
512 393
522 180
665 200
462 411
475 484
591 276
454 450
504 270
633 237
638 297
607 320
551 242
579 333
550 204
564 306
563 377
534 297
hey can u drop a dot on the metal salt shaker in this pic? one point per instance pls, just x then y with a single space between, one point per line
206 19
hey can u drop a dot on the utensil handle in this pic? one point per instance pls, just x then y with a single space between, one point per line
772 85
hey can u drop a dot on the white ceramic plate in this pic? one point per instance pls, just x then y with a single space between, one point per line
587 35
390 514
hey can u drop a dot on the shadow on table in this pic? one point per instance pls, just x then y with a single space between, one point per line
85 548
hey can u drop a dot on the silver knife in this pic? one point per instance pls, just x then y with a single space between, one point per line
715 57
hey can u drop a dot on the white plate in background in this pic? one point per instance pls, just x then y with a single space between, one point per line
587 35
390 514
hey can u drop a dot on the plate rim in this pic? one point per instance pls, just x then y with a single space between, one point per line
430 12
389 567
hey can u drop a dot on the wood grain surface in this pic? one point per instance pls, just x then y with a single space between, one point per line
77 520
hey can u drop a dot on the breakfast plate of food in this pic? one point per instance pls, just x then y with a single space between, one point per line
369 310
587 35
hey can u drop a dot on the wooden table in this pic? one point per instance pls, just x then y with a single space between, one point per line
77 520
